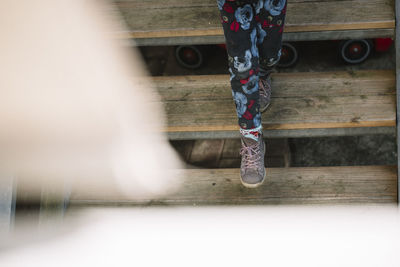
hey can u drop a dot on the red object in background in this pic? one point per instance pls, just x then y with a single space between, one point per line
222 46
382 44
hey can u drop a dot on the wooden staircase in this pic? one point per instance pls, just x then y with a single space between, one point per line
201 106
303 104
170 22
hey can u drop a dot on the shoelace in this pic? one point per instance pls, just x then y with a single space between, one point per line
263 88
251 156
264 76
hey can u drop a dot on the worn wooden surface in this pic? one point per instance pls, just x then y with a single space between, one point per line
282 133
299 101
287 37
177 18
307 185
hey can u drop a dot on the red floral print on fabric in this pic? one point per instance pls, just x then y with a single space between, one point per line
251 72
235 26
228 8
251 103
244 81
266 21
247 115
255 133
267 25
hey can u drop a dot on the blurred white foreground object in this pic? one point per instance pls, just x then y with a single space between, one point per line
218 236
75 104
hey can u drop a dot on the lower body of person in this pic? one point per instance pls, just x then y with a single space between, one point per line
253 34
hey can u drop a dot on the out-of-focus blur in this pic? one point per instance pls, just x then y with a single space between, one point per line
77 113
216 236
76 108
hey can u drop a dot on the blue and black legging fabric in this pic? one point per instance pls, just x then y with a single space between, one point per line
253 34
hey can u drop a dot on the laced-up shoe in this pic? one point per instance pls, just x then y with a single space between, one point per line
252 170
264 85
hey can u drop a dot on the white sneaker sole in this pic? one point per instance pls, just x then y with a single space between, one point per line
254 185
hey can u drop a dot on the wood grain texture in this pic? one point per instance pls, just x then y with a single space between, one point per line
287 37
300 185
299 101
175 18
282 133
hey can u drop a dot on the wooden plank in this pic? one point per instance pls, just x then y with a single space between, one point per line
337 35
293 133
295 84
299 101
161 19
287 37
306 185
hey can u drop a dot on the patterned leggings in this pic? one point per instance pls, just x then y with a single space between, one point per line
253 34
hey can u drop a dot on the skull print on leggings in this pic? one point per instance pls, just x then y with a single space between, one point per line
253 34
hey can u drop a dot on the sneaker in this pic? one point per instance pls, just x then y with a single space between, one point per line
264 85
252 170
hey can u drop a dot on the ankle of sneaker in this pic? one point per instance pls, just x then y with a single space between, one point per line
254 133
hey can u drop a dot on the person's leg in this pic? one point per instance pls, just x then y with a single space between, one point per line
239 24
270 17
270 23
239 29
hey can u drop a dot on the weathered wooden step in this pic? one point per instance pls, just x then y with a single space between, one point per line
300 185
154 22
202 106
